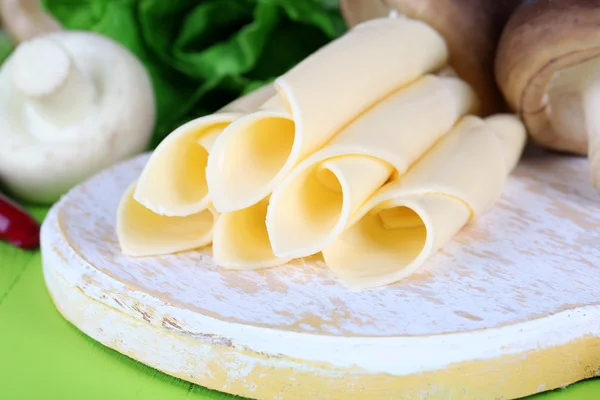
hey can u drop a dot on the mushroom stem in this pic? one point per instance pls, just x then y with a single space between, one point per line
395 14
591 106
594 146
572 108
57 93
26 19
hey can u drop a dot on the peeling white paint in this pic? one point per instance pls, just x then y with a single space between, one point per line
507 285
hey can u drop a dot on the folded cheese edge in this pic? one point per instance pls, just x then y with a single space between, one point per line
408 220
315 100
391 241
173 181
247 159
142 232
312 206
241 241
402 126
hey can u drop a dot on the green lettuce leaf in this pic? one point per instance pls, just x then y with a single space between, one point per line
6 46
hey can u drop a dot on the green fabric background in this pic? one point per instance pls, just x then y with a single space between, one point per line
44 357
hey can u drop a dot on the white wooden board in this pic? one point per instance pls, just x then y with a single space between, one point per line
508 308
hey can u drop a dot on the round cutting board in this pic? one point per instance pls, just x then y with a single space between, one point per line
508 308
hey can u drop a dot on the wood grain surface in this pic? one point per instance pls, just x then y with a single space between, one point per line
521 282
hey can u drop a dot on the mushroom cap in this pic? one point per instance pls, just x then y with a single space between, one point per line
471 29
118 123
541 38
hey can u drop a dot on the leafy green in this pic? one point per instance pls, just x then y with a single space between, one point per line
6 46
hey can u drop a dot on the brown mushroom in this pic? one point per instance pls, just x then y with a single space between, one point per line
471 29
26 19
548 67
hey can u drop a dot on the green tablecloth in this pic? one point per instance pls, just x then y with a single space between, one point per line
42 356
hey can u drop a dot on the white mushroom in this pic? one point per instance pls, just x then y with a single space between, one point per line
71 104
26 19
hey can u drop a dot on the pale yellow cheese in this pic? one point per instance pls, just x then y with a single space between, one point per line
168 209
173 182
311 210
409 219
141 232
312 206
315 100
241 241
304 169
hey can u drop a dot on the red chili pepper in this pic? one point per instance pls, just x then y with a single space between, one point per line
17 227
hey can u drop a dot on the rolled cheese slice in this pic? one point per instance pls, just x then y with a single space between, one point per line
173 182
241 241
313 205
409 219
142 232
315 100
